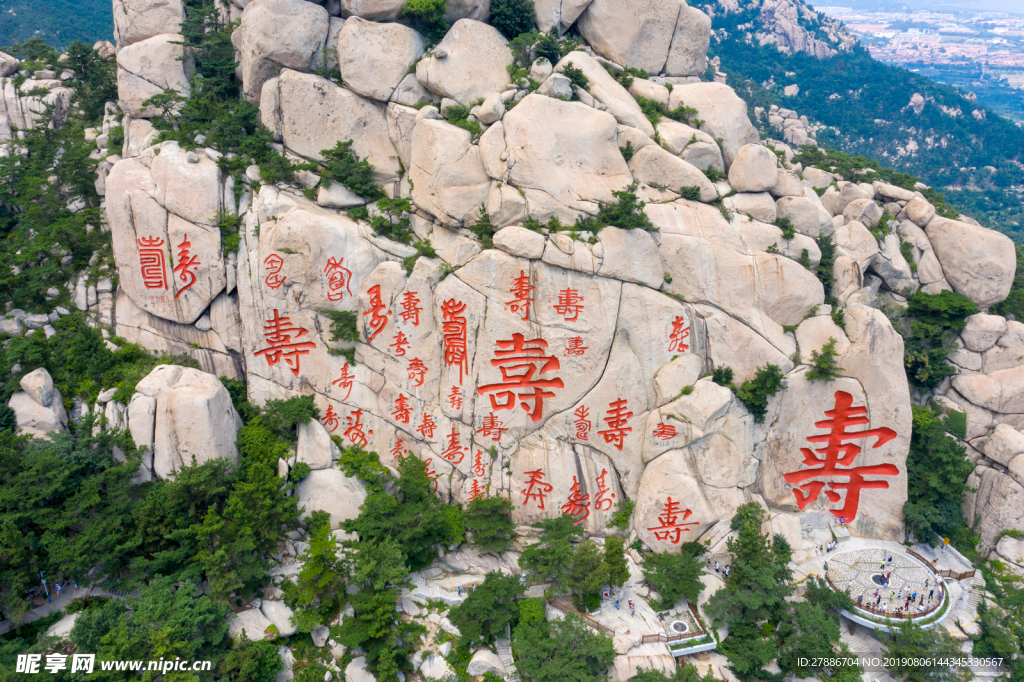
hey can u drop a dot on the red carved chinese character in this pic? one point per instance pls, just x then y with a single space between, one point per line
664 431
401 412
519 354
602 490
354 432
399 451
274 277
670 529
279 332
338 279
417 371
521 289
426 429
152 263
410 308
582 424
399 344
344 381
578 505
574 346
536 489
453 327
476 490
677 339
330 419
492 426
455 398
454 449
838 452
185 265
432 475
616 419
570 303
377 321
479 466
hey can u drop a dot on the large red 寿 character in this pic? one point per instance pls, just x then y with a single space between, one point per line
280 332
185 266
330 419
677 338
616 419
536 489
453 330
578 504
602 490
454 448
344 382
338 279
671 529
520 355
354 432
152 263
521 289
417 371
569 305
377 321
401 412
581 423
838 452
274 278
493 427
411 308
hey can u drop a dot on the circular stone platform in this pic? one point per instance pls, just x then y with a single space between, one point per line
861 571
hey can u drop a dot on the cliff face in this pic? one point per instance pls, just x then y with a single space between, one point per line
567 369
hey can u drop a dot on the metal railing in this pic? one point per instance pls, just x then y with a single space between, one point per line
660 637
565 607
944 573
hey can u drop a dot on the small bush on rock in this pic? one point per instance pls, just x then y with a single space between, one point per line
575 75
512 17
823 365
341 165
691 193
722 376
427 17
754 393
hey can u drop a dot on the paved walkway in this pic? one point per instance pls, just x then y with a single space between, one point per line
68 595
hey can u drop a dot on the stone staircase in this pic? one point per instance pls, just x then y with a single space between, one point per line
864 648
504 648
967 616
435 593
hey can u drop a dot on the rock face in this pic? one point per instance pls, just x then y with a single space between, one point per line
37 407
193 419
136 20
275 35
562 367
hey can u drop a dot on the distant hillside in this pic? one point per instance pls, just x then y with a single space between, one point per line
944 137
58 22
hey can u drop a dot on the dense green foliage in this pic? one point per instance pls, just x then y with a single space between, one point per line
512 17
937 471
936 319
675 576
488 609
318 593
341 165
851 91
909 647
550 559
489 523
1013 306
754 393
561 651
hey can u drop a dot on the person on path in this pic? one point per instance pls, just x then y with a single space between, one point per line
716 566
616 604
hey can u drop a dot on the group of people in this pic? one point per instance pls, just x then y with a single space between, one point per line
825 549
904 602
719 569
632 607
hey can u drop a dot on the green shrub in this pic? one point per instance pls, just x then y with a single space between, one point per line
713 174
936 320
344 326
805 258
341 165
282 416
628 74
754 393
626 213
722 376
622 515
627 151
823 365
423 248
786 225
691 193
299 471
825 268
512 17
427 17
839 316
458 115
484 228
394 224
575 76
